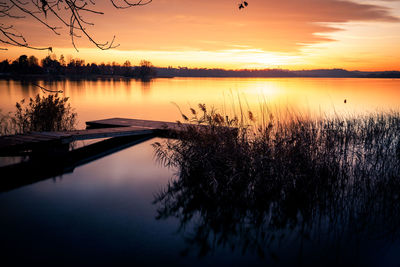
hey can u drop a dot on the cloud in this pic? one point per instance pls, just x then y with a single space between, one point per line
270 25
285 25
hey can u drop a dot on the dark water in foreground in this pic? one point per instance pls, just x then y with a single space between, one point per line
103 214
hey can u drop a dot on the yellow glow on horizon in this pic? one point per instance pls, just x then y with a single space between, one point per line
229 59
347 55
357 48
301 34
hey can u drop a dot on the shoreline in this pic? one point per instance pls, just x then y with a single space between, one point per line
6 76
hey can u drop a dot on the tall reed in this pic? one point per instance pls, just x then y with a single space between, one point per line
315 176
42 113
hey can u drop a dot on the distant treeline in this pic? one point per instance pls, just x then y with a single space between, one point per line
50 66
336 73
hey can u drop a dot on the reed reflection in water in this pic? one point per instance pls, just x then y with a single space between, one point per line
300 192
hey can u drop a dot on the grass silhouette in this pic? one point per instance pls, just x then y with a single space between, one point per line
332 179
42 113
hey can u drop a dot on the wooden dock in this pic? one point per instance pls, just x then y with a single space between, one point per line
122 122
115 127
50 154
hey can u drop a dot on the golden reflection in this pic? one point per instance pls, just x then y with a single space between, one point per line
154 101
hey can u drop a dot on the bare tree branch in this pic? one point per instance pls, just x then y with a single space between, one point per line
67 13
45 90
9 36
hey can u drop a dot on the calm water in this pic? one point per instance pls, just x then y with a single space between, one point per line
103 213
153 100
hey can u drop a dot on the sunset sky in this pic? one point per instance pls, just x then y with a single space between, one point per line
290 34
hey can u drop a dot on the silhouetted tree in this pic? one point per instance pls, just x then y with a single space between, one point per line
24 65
94 69
145 70
51 65
33 61
4 66
62 61
127 64
33 64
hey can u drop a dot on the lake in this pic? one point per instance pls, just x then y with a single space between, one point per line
103 212
154 100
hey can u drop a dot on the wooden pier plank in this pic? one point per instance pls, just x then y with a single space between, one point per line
114 127
122 122
52 134
106 132
35 137
28 141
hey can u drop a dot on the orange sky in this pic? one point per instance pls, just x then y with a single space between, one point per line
293 34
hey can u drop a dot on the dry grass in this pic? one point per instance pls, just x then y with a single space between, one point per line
46 113
317 177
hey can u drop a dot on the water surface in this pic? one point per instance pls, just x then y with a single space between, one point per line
100 214
103 213
154 100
